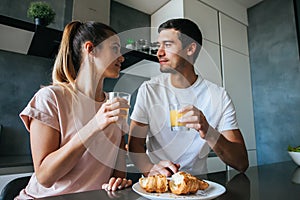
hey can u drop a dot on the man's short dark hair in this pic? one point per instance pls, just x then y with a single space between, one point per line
189 30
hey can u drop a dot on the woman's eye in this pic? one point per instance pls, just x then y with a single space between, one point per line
115 49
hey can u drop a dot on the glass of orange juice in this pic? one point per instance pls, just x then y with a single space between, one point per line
124 95
174 116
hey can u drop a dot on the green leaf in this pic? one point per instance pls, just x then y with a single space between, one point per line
294 149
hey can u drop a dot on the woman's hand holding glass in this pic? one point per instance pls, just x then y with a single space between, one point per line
113 111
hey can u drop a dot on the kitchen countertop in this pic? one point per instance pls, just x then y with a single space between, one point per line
15 164
273 181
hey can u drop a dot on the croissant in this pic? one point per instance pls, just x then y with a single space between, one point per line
181 183
184 183
157 183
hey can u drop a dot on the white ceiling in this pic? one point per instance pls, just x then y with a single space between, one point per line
150 6
146 6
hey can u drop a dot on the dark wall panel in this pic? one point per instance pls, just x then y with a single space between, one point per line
129 22
275 71
20 77
123 18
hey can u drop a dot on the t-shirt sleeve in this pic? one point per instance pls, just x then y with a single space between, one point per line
139 113
43 107
228 120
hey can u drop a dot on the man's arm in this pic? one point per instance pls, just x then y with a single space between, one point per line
228 145
120 168
137 153
136 147
118 179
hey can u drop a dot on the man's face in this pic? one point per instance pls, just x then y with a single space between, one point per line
170 53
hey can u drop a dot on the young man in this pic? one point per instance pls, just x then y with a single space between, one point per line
209 114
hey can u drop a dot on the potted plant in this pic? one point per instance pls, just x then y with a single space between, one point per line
41 13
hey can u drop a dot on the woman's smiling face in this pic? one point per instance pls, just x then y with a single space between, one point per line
108 57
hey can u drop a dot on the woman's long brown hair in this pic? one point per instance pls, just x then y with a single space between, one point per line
69 57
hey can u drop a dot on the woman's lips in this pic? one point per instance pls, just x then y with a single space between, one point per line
118 65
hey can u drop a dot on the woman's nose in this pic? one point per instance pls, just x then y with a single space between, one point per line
121 59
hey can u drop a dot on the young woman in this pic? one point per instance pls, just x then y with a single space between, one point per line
76 139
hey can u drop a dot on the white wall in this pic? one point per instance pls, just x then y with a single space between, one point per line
230 8
173 9
91 10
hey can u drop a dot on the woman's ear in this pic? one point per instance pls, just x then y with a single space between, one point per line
88 46
191 49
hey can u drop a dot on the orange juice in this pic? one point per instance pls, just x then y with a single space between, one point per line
123 95
174 116
127 110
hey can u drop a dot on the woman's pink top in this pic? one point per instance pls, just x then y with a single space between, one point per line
55 107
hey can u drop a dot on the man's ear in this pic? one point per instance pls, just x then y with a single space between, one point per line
191 49
88 46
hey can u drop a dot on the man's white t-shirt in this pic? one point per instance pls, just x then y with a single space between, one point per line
184 147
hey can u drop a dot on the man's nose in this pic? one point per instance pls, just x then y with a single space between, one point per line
160 52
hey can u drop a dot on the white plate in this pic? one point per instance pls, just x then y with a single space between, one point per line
214 190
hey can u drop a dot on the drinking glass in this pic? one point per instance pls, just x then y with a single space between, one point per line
174 116
111 95
124 95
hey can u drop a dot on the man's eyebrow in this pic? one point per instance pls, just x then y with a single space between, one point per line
167 41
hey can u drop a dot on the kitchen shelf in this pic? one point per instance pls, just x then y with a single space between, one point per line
5 20
132 57
46 41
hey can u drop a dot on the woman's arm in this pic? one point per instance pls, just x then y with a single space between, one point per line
52 162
